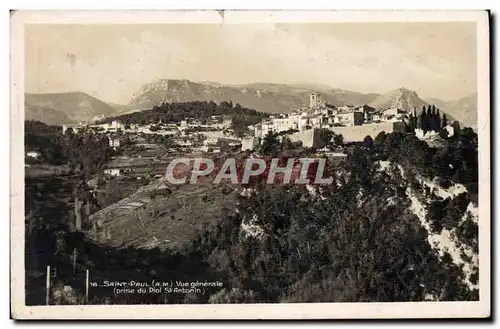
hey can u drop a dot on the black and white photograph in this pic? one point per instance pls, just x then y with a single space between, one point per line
250 165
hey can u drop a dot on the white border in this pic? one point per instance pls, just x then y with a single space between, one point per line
244 311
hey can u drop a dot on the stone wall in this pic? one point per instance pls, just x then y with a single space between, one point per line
358 133
309 138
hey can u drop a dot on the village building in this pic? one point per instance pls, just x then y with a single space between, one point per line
351 118
113 171
114 142
249 143
33 154
366 110
75 128
393 114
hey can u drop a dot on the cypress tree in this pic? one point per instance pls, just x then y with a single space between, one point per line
445 120
434 125
410 123
438 120
415 118
422 121
428 118
429 111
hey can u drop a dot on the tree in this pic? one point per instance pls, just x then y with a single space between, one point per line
414 122
433 119
368 142
410 127
380 140
438 120
445 120
326 136
270 144
428 119
423 121
338 140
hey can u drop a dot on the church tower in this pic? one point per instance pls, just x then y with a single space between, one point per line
314 100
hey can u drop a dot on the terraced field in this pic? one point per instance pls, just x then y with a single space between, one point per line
162 215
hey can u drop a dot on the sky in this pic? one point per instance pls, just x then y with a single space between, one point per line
112 61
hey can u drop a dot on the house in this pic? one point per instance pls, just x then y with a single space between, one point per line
393 114
351 118
184 142
249 143
345 108
211 141
113 171
33 154
75 128
377 116
226 123
366 110
114 126
114 142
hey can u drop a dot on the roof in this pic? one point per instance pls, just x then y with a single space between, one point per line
348 112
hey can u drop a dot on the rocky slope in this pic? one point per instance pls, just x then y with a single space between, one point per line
401 98
264 97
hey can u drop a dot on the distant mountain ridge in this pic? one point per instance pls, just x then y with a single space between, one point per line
464 110
264 97
59 108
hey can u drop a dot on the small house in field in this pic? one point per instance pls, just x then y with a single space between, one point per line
113 171
33 154
114 142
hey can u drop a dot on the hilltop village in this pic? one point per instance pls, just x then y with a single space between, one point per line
144 141
302 125
354 123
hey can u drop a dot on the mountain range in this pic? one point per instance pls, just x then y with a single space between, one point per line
58 108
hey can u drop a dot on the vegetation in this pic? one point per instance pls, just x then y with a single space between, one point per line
308 250
83 153
456 161
176 112
270 145
429 119
352 241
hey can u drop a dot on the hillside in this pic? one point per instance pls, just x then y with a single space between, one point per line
177 215
59 108
401 98
120 108
45 114
264 97
398 223
464 110
384 231
436 101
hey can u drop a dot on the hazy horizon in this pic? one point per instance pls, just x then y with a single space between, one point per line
111 62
